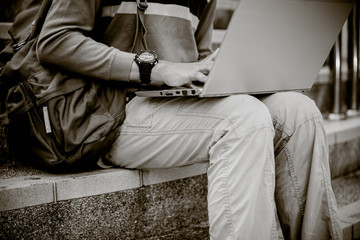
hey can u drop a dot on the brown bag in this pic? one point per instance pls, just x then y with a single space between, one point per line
67 129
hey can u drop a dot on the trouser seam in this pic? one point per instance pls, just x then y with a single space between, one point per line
191 131
294 180
194 131
271 193
329 200
327 184
227 194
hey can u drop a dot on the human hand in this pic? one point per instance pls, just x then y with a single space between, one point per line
179 74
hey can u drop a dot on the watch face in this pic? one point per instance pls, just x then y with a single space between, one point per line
146 56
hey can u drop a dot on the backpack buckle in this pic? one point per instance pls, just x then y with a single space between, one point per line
17 46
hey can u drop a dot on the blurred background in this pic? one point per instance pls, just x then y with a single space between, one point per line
336 93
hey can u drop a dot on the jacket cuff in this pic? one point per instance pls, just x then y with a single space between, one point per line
121 66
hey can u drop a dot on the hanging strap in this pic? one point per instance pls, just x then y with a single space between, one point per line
36 25
142 5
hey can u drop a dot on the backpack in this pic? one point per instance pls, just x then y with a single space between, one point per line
66 130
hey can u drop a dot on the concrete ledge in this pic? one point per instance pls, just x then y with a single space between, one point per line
347 193
33 190
25 191
350 216
174 210
342 131
347 231
344 145
20 192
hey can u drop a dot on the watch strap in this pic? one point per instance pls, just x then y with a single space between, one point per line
145 73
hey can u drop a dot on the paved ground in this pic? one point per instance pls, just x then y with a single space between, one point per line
347 193
347 188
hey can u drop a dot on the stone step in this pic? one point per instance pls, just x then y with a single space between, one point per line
149 204
344 145
347 192
167 210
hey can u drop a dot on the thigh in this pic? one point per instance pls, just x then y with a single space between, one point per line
170 132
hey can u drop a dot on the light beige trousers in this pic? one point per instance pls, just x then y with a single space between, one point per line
268 158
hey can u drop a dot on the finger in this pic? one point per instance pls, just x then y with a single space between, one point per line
211 57
199 76
214 54
206 67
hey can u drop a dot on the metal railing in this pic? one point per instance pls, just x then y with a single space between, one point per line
346 101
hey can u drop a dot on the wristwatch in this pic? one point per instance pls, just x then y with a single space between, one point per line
146 60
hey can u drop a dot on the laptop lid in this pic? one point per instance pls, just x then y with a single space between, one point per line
275 45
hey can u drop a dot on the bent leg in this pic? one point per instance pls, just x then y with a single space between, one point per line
304 197
235 134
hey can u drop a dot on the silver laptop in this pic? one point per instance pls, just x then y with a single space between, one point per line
271 46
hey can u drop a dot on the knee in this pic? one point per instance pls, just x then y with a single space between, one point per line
301 103
292 105
289 110
248 113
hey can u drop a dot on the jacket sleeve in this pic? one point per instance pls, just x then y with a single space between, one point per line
64 41
203 34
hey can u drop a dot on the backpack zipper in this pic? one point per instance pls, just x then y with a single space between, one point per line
46 119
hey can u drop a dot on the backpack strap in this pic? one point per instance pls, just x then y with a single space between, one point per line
40 19
36 25
142 5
